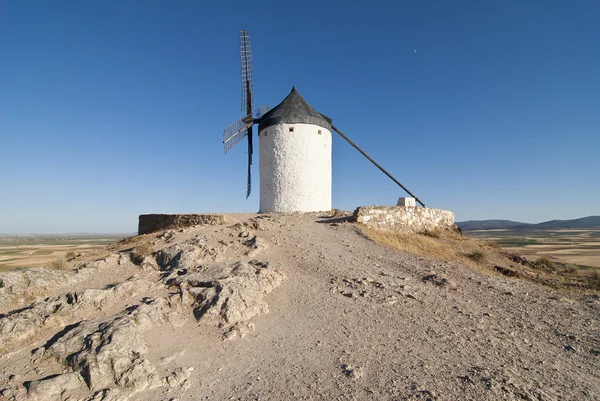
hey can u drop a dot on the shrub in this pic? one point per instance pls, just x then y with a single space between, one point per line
71 255
140 252
476 256
595 281
493 244
545 261
430 233
59 264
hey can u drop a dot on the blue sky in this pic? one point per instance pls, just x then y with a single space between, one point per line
111 109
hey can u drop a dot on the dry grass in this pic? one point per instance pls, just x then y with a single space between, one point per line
431 233
595 281
451 246
545 261
140 252
493 244
477 256
59 264
440 244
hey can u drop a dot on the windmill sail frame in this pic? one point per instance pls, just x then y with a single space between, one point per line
235 132
246 72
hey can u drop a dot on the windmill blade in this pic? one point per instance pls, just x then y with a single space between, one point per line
234 133
246 61
249 185
261 111
234 140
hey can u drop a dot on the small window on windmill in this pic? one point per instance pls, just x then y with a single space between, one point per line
291 129
319 132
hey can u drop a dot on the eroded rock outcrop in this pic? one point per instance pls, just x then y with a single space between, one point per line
97 349
231 293
103 354
20 324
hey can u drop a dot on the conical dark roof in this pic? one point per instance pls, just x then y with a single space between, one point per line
294 109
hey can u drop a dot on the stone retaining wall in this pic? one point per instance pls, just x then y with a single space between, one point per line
404 218
149 223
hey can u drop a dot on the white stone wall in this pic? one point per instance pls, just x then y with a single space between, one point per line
295 168
404 218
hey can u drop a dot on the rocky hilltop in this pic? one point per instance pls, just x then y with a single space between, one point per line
298 306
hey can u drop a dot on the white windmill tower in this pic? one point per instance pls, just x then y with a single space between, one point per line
295 158
295 148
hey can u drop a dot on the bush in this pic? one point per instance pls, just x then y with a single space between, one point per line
493 244
59 264
71 255
140 252
430 233
545 261
476 256
595 281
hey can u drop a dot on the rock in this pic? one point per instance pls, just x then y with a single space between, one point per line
351 372
180 256
52 387
109 394
100 264
239 330
440 281
99 297
178 378
106 353
231 294
114 355
13 393
256 246
21 324
22 287
449 284
391 300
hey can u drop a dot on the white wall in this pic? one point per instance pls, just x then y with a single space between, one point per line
295 168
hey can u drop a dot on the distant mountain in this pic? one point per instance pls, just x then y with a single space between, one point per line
584 222
590 222
489 224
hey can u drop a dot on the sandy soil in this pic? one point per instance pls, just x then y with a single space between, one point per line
352 320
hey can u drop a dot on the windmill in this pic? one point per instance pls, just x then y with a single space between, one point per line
236 131
295 148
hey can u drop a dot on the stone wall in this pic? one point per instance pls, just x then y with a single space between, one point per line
149 223
403 218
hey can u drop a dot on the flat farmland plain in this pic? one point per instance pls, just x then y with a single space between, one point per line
572 246
24 251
